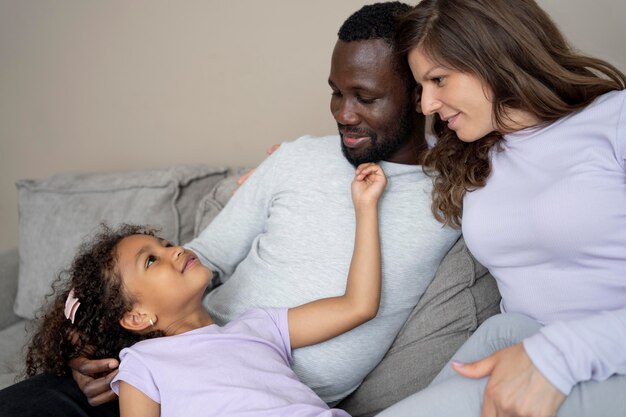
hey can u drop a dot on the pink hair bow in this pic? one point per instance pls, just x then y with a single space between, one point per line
71 305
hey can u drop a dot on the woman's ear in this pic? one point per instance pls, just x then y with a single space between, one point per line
137 321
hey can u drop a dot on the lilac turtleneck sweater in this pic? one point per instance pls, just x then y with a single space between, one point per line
551 227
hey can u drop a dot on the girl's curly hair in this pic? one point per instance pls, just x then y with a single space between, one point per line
96 332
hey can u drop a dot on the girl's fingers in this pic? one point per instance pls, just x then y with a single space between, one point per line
366 169
363 166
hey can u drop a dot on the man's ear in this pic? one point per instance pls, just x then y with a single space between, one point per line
136 321
417 98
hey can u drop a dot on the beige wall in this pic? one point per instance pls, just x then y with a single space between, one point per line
118 85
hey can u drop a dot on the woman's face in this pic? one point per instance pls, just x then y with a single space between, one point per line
462 100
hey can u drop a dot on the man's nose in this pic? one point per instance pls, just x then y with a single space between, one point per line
345 114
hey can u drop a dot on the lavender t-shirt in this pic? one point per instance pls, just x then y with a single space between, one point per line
242 368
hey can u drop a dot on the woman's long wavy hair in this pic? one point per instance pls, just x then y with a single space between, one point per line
516 49
96 332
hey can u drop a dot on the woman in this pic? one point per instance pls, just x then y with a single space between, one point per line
531 155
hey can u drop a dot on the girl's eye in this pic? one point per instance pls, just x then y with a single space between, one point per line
150 260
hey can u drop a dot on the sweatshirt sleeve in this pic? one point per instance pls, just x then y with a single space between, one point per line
228 238
620 132
591 348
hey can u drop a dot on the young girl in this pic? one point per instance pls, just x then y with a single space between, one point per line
128 286
531 155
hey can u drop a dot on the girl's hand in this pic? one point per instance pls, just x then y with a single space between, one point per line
515 386
368 184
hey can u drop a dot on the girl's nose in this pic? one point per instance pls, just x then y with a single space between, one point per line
176 251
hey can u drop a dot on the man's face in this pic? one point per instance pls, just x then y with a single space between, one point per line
374 111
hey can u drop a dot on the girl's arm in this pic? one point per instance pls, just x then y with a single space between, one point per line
135 403
323 319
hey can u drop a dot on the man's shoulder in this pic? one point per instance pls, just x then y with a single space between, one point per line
321 144
307 151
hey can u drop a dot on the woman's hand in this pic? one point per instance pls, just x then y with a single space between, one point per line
368 184
515 386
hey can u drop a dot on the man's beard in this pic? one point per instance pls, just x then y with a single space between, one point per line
380 149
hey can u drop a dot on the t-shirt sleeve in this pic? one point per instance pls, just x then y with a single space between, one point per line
272 325
134 371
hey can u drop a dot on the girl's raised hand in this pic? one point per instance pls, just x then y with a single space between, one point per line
368 184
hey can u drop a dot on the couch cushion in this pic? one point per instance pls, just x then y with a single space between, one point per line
8 286
12 341
56 214
460 297
215 201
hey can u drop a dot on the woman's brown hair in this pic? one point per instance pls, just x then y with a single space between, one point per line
96 332
516 49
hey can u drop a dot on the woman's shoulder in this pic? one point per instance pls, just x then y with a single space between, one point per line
605 109
613 100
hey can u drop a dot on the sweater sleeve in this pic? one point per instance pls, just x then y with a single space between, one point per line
620 142
228 238
591 348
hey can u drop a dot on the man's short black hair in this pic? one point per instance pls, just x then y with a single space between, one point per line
379 21
374 21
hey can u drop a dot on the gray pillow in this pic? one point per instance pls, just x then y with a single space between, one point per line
215 201
461 296
57 213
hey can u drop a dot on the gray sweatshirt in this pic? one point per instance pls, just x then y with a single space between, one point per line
287 236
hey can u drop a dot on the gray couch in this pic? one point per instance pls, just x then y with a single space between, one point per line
56 213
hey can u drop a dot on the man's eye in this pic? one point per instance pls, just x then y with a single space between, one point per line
336 94
366 100
150 260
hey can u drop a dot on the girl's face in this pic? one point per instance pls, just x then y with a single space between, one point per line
166 281
461 99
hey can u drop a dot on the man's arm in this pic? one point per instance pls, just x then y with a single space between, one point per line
249 173
227 240
94 377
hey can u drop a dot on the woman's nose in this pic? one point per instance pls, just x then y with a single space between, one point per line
430 104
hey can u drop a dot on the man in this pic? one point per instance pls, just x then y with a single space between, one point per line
284 240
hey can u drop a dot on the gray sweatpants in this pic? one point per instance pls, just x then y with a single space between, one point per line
450 395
